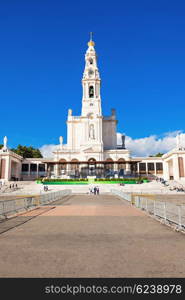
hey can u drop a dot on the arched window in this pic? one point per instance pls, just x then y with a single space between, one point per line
74 164
90 61
121 163
109 164
92 159
91 91
62 164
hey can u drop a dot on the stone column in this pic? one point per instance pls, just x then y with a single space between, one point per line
176 168
128 169
68 169
8 168
56 169
29 170
155 169
37 170
49 170
46 169
116 169
138 169
19 170
146 168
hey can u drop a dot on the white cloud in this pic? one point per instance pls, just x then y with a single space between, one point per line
150 145
47 150
139 147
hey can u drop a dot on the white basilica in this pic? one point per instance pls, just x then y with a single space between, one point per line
91 148
91 137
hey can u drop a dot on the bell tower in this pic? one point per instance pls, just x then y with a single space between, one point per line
91 99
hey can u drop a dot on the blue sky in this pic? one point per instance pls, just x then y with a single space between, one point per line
141 52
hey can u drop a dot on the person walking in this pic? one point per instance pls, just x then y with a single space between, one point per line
98 190
95 190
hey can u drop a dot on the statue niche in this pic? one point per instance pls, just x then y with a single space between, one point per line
91 91
91 132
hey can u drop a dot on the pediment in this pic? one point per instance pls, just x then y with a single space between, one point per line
89 149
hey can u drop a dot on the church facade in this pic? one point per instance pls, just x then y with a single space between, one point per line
91 137
91 148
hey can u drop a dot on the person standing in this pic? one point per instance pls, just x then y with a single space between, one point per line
95 190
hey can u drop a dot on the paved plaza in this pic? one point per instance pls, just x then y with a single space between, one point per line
90 236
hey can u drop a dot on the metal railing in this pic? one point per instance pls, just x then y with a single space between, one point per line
126 196
171 213
9 207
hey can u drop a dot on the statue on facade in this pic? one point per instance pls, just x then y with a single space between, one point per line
5 140
61 141
180 141
91 132
113 112
123 141
69 112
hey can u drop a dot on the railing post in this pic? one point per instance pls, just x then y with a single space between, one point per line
180 216
25 203
15 206
137 201
142 206
165 211
3 212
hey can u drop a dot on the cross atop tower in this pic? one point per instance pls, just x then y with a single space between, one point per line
91 36
91 43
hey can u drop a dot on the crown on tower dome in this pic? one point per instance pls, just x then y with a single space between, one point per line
91 43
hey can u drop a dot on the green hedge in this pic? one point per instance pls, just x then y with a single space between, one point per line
97 180
120 181
64 180
86 182
141 179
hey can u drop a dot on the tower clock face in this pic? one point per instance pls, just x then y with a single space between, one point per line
90 73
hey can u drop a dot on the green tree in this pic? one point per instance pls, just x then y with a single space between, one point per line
27 152
159 154
1 146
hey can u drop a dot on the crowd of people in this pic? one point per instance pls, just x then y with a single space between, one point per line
172 188
94 190
158 179
13 186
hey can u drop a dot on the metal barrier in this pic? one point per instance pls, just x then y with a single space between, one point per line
8 207
126 196
169 212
